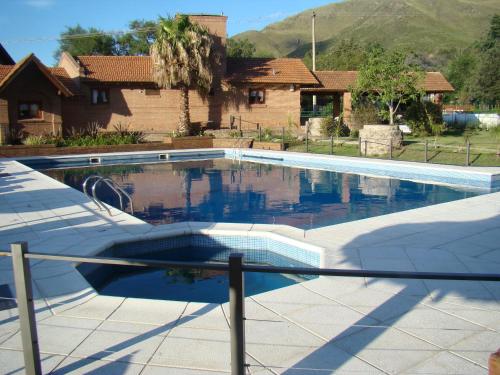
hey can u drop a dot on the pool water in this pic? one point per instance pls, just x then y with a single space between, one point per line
192 285
222 190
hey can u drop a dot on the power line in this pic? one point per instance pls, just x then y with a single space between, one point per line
150 29
80 36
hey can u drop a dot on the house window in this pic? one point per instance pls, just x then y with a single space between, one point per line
257 96
30 110
99 96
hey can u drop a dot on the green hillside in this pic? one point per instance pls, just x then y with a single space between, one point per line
428 26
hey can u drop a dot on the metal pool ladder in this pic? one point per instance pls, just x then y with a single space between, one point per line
113 186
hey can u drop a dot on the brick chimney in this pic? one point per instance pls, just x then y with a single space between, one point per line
217 26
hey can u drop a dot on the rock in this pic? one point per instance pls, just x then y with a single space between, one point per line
378 138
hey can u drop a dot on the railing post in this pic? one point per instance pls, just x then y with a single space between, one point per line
331 144
467 154
237 313
282 139
390 149
426 151
366 147
241 132
260 132
359 147
24 295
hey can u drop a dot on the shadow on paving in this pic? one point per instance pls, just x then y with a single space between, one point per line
405 300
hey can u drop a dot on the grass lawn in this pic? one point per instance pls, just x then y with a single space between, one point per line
449 149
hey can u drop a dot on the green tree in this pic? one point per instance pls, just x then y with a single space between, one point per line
487 88
79 41
241 48
460 72
487 81
182 59
387 77
345 55
139 40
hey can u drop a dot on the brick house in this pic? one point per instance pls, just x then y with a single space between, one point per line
335 86
118 91
31 97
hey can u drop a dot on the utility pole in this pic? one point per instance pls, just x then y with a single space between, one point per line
315 104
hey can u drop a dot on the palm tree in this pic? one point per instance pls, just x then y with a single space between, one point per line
181 58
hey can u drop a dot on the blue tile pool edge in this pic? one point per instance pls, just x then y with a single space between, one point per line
474 177
427 173
306 253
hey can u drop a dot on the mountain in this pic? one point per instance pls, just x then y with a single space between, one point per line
427 26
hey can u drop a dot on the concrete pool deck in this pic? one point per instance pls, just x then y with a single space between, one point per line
346 325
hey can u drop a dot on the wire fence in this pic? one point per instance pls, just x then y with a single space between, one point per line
429 151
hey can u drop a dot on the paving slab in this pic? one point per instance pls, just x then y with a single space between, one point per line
326 325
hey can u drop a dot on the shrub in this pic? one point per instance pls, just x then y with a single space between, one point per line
35 140
422 116
335 127
267 135
39 140
364 114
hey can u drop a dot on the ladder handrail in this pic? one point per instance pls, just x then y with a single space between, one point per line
97 199
113 186
98 203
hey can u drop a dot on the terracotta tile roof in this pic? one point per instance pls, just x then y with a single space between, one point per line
4 70
336 80
115 69
16 69
341 80
435 82
257 70
59 73
63 77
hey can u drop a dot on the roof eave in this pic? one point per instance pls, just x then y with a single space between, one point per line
18 68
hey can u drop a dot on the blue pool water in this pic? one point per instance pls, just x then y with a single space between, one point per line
222 190
192 285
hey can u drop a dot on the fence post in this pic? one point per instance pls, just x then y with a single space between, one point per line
282 139
241 132
426 151
359 147
237 313
307 137
467 154
331 144
27 320
390 149
366 147
260 132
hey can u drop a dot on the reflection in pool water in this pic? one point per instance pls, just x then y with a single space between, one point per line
225 191
193 285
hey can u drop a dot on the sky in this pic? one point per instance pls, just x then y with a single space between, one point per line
33 25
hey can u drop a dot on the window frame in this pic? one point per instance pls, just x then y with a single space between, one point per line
99 91
256 89
30 103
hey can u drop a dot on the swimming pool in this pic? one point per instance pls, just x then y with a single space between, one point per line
192 285
225 190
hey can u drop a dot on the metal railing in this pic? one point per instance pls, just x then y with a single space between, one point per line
235 267
118 190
